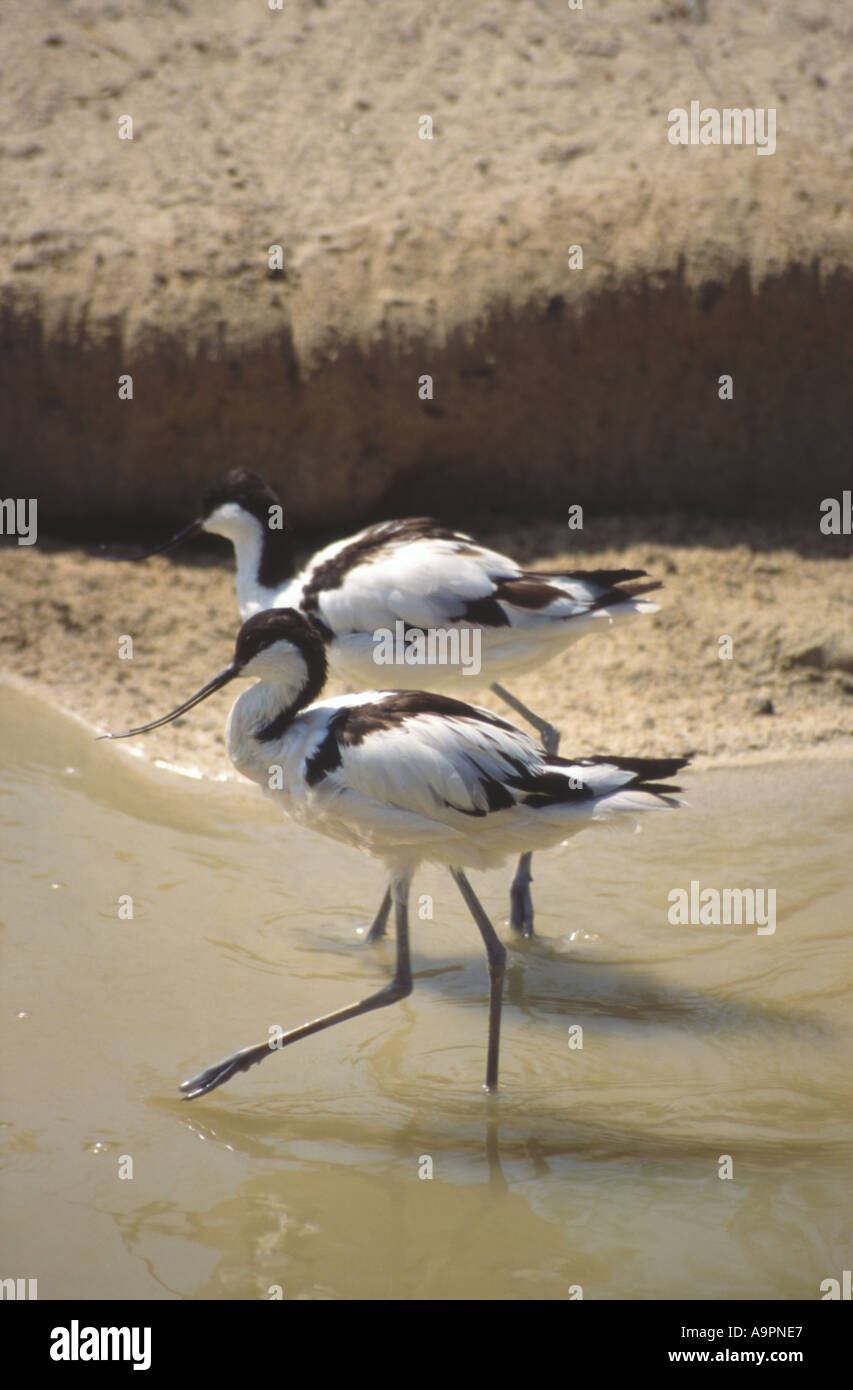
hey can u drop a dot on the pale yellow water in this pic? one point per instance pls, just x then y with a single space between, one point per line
595 1167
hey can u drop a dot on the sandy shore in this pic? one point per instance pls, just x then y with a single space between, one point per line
658 686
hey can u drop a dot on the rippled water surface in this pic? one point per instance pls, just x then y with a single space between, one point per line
595 1167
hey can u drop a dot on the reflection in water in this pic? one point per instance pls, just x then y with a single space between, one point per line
595 1165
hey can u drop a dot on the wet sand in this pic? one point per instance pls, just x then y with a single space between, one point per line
653 687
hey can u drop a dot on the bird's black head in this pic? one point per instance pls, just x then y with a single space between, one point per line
274 643
236 507
280 646
244 489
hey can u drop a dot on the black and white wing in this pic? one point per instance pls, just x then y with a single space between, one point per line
445 762
427 576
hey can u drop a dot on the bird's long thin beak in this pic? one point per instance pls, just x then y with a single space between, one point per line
186 534
216 684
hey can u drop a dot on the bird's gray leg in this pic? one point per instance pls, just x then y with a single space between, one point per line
380 921
520 899
549 735
398 988
496 952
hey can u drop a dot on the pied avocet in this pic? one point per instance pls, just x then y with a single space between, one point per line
408 776
418 579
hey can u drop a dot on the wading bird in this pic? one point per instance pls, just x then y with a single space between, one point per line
417 577
409 776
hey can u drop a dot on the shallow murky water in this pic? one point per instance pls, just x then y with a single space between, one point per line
596 1167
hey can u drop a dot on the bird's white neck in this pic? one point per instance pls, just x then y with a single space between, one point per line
264 559
252 595
268 707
